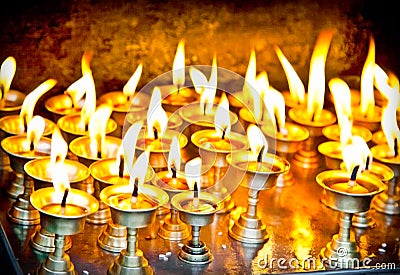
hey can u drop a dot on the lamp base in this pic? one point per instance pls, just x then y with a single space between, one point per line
130 264
195 254
340 254
173 231
227 205
113 238
101 216
306 159
162 211
43 241
23 213
363 220
285 179
248 230
16 186
386 204
57 266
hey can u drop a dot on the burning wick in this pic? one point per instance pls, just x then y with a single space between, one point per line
64 201
259 157
121 167
173 170
223 133
135 192
195 196
31 146
179 87
204 111
99 146
353 176
367 163
155 133
396 148
277 125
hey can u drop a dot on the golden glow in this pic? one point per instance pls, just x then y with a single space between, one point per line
7 72
367 101
130 86
129 143
157 118
296 86
85 62
256 95
316 82
193 172
35 131
222 119
97 129
303 238
30 100
250 77
76 91
178 68
59 147
256 140
275 103
174 156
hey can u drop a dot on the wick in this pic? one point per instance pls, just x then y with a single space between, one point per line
259 157
396 148
173 170
353 176
155 133
31 146
367 163
313 117
86 127
195 196
64 200
121 167
135 192
223 133
178 86
99 147
204 111
277 124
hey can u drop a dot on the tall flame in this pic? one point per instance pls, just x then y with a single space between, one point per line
296 86
97 129
178 68
30 100
89 107
250 77
59 147
157 118
7 72
257 140
35 131
256 95
275 103
367 101
174 156
139 169
222 119
387 84
60 181
364 151
58 153
130 86
129 143
316 82
193 172
390 127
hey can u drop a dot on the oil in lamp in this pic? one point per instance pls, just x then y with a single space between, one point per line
348 195
196 209
134 206
288 136
314 117
97 144
172 182
72 100
177 95
21 149
63 211
256 170
41 170
214 145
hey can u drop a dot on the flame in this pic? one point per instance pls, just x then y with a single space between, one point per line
115 168
85 62
60 180
139 169
30 100
275 103
352 157
316 83
199 80
367 101
193 172
387 84
97 129
296 86
390 127
129 143
7 72
89 107
222 119
364 151
250 77
345 130
341 97
130 86
174 157
157 118
256 95
34 132
59 147
178 68
256 140
208 95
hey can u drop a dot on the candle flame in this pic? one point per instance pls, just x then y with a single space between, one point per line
89 107
193 172
139 169
341 97
85 62
97 129
275 103
367 101
256 140
209 88
222 118
30 100
157 118
256 95
59 148
250 77
114 169
390 127
178 68
34 132
316 83
60 180
364 151
7 72
76 91
296 86
387 85
129 143
355 155
174 157
130 86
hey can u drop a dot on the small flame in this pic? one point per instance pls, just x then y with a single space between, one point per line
257 140
367 101
193 172
275 103
342 99
30 100
387 84
209 90
250 77
296 86
7 72
89 107
256 95
178 68
130 86
129 143
35 131
97 129
157 118
60 181
364 151
222 119
139 169
316 83
59 147
85 62
174 157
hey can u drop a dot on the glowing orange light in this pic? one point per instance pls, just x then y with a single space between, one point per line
130 86
178 68
367 101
